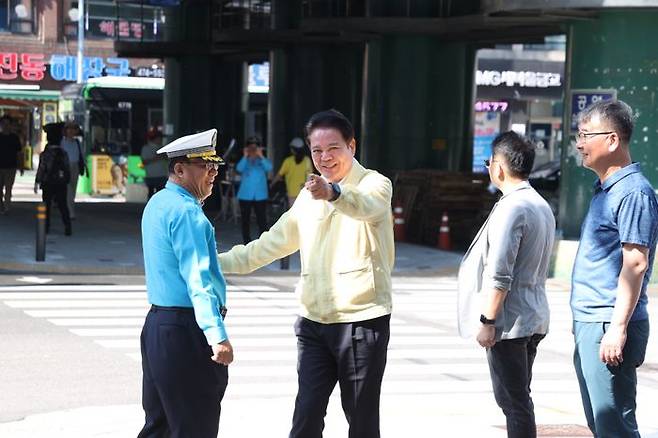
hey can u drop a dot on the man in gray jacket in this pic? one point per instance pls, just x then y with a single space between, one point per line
503 276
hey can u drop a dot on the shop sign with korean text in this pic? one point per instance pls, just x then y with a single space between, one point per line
581 99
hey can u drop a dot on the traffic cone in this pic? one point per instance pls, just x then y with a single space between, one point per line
399 228
444 233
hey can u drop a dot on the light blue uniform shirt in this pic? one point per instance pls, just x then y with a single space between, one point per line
253 180
180 259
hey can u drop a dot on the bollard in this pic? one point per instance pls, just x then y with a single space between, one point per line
41 232
444 233
399 230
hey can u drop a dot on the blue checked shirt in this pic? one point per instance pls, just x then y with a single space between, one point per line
623 210
180 259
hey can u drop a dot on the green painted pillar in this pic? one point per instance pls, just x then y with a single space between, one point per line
616 51
187 105
370 144
417 104
278 107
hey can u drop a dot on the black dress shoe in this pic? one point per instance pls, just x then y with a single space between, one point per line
68 231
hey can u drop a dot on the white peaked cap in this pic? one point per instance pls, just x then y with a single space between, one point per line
200 145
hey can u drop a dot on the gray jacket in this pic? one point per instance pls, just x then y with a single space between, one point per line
511 252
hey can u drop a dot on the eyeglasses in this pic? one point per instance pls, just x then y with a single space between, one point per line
207 165
487 163
583 136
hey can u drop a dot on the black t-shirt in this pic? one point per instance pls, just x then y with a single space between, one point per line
10 146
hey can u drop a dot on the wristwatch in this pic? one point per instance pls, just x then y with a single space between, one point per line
336 189
486 321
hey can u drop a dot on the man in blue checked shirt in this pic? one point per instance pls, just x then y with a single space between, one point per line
185 348
611 272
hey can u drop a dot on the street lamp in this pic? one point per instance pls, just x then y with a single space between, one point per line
77 14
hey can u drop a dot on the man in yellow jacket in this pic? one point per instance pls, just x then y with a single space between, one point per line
342 225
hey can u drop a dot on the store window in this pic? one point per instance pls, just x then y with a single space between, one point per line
18 16
107 19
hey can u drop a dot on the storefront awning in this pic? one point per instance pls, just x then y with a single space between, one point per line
30 94
12 103
126 82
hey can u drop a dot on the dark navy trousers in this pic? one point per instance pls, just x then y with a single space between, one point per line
510 366
352 354
182 387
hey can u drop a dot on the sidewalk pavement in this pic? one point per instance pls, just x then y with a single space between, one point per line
107 240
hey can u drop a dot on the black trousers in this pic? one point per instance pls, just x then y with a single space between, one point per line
182 388
245 216
57 193
352 354
510 366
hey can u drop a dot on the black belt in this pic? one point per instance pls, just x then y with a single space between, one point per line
156 308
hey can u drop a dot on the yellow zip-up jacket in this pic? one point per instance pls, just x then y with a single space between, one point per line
346 249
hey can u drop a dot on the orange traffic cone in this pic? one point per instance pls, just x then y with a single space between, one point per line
444 233
399 228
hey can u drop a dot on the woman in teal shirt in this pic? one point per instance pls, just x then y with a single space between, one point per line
253 168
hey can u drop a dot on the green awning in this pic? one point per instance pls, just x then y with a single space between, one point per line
30 94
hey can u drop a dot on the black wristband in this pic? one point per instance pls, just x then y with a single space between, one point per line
486 321
336 189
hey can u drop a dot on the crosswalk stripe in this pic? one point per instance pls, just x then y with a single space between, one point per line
93 332
73 287
118 343
70 304
68 295
68 313
116 287
411 387
86 322
67 304
466 369
397 339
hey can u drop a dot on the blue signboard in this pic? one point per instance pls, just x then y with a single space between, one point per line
581 99
481 152
259 78
487 127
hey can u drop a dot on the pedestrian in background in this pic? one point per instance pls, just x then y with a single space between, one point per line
73 148
54 174
294 170
342 225
185 348
253 168
506 267
10 162
155 165
119 172
611 271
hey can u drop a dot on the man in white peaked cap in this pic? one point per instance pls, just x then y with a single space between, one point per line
185 348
